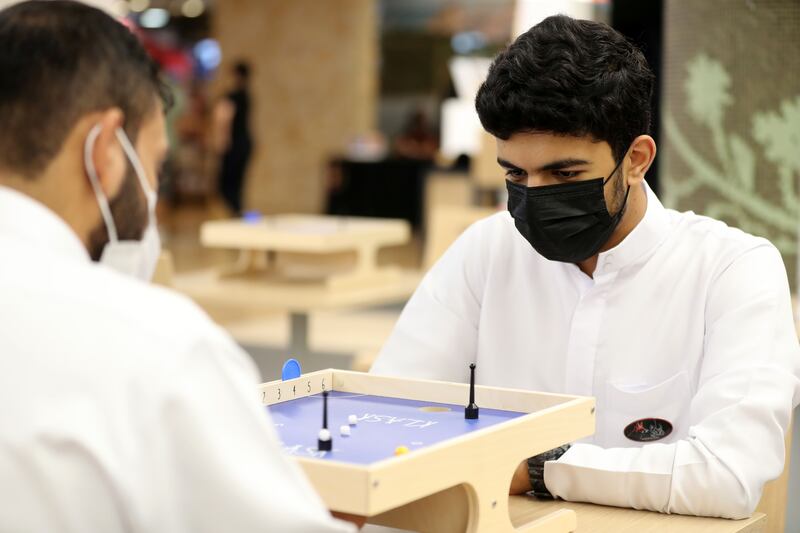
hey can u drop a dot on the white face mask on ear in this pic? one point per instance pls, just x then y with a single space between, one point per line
134 258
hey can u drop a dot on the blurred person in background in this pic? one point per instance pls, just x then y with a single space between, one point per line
124 407
232 127
417 140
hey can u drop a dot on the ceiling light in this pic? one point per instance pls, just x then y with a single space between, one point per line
138 6
154 18
193 8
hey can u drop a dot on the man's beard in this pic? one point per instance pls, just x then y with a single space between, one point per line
129 211
620 192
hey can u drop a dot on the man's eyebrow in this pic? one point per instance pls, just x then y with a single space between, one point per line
507 164
555 165
563 163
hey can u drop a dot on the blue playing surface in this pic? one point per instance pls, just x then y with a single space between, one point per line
383 425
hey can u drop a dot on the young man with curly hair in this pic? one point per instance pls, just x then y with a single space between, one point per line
680 326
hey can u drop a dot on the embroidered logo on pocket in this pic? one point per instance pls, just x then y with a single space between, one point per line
648 429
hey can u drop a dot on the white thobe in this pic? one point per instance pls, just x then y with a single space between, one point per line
124 408
686 320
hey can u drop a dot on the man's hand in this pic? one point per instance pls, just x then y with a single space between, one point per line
521 482
359 521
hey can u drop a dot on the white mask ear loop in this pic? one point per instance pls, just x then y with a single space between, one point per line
102 201
149 194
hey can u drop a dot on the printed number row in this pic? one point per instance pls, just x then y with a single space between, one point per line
294 390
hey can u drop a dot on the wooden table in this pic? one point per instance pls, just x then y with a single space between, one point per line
448 512
300 264
459 484
602 519
314 237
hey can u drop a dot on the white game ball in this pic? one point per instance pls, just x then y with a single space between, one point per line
345 431
352 420
324 434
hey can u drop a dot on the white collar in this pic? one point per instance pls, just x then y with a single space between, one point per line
31 222
648 234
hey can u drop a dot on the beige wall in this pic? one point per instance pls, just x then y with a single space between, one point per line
314 86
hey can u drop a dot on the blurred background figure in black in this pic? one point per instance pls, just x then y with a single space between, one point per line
232 120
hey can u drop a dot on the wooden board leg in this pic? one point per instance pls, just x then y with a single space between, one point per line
491 502
461 509
443 512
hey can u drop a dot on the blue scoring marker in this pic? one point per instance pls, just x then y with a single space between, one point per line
291 370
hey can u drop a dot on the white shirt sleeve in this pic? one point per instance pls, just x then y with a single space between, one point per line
225 467
437 333
738 416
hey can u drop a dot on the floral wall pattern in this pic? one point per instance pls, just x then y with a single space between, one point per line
730 144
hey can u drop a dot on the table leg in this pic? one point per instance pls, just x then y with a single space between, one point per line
270 358
248 262
298 333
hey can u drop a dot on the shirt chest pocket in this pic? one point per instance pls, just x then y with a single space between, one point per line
636 415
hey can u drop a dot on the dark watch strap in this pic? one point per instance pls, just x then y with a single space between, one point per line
536 470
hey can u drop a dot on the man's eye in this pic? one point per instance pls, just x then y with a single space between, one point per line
566 174
515 174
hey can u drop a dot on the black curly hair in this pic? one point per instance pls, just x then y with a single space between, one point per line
569 77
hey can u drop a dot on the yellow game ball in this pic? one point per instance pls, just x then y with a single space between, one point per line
400 450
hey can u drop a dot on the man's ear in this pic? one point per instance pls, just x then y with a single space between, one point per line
105 151
639 158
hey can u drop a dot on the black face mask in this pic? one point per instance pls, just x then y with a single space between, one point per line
567 222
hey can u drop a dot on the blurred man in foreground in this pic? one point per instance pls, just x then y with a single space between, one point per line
124 407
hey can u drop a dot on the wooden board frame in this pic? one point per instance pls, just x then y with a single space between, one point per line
471 472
